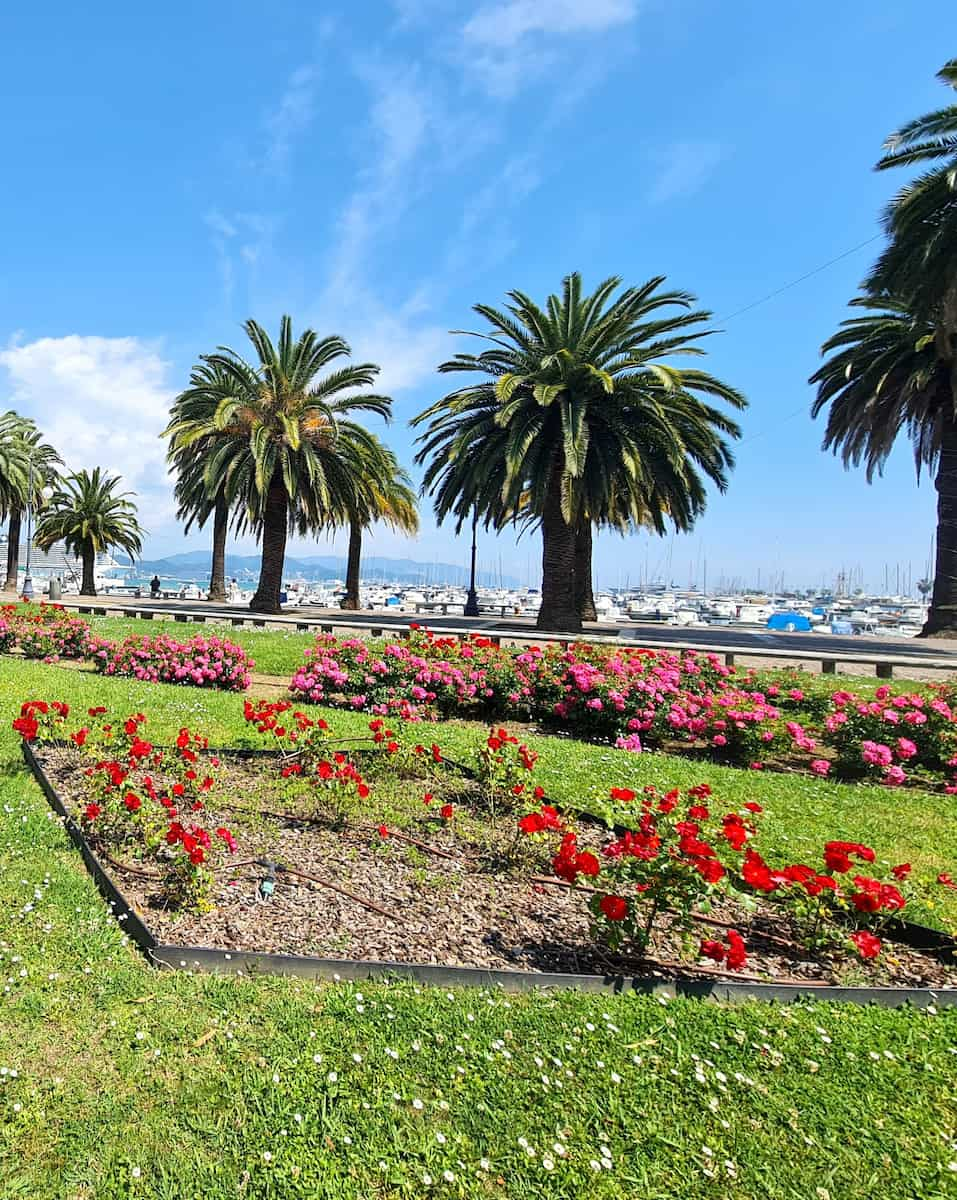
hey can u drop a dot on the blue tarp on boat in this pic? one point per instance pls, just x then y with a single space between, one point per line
789 622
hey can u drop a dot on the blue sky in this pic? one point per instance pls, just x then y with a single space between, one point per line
375 168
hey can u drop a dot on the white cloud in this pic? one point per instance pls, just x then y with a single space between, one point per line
684 168
101 402
506 23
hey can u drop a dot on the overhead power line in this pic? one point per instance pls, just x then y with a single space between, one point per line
801 278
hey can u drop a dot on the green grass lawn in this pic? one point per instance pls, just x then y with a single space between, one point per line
120 1081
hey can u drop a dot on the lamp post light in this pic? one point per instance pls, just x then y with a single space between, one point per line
46 493
471 602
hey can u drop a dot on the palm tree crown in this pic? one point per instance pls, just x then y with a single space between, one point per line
36 461
268 431
89 516
580 420
919 265
883 377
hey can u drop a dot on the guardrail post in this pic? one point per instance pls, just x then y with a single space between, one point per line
729 659
828 666
885 670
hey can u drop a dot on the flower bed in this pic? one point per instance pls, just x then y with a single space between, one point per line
45 631
641 699
382 849
207 662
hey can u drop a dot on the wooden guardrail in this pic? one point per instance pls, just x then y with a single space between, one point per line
884 665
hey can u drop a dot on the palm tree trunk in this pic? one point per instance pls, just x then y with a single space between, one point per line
942 615
275 523
217 575
559 612
583 573
351 599
13 549
87 583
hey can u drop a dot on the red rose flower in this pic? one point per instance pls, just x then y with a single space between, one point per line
868 946
588 864
614 907
736 957
712 949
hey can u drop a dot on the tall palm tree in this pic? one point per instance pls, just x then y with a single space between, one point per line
273 434
580 420
382 491
13 481
884 376
45 461
919 265
89 516
201 494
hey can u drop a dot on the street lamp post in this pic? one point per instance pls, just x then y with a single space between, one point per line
471 602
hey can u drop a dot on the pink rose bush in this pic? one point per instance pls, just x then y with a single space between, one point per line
45 631
893 734
638 700
207 662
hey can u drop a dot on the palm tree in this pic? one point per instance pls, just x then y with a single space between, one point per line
89 516
884 376
14 475
382 491
269 432
200 493
919 265
45 461
577 422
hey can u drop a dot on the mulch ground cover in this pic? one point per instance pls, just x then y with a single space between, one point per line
395 883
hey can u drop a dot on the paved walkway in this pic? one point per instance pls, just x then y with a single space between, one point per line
720 638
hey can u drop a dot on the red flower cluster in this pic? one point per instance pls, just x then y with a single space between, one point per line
731 951
867 945
546 819
570 862
837 855
40 715
873 896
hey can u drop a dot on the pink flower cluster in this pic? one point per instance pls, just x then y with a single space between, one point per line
208 662
45 631
639 699
876 737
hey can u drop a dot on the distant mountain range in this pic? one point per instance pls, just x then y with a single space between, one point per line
195 564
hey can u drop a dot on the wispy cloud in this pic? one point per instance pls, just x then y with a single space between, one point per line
291 116
511 43
683 168
238 238
508 22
